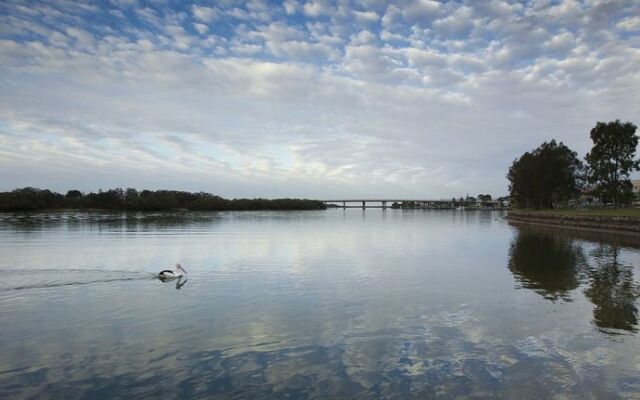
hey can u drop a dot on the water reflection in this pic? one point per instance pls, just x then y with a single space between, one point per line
114 221
554 264
548 264
335 304
613 291
179 281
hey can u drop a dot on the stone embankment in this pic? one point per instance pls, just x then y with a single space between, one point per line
624 225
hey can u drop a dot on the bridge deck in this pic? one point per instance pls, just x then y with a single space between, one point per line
387 201
383 203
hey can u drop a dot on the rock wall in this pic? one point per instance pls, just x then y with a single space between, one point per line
616 224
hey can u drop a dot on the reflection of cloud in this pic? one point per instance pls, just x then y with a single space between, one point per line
381 364
329 305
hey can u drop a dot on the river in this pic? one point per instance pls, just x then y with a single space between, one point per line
352 303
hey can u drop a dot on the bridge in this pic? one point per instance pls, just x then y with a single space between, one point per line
414 203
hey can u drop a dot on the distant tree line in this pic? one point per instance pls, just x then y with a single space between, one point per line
28 199
552 174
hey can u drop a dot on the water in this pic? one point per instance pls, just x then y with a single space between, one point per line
316 304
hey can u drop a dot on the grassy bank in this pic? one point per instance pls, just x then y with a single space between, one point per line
592 212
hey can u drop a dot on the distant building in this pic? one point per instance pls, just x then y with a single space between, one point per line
587 197
636 185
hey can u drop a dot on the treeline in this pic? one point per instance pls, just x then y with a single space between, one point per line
30 199
552 175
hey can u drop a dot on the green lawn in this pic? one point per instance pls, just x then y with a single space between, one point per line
606 212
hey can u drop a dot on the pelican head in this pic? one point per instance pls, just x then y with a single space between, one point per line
179 268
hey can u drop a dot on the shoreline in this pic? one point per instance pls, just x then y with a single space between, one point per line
171 210
611 225
591 235
178 210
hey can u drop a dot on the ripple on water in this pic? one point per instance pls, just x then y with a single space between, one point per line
323 305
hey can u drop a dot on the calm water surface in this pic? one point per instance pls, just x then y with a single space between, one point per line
326 304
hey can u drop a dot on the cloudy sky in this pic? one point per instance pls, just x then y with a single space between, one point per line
315 99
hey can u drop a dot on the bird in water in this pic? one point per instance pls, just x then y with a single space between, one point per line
168 274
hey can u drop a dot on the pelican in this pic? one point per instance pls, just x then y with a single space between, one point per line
168 274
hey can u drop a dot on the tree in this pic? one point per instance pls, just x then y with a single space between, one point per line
550 174
146 200
74 194
611 160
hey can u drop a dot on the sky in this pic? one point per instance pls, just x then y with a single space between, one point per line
319 99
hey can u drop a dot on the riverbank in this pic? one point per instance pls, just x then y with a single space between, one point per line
597 212
620 221
32 199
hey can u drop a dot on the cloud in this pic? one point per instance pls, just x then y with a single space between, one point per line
421 11
291 7
393 15
316 8
629 24
363 37
204 14
201 28
320 98
561 42
458 24
366 17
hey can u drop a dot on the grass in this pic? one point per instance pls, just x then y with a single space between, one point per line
599 212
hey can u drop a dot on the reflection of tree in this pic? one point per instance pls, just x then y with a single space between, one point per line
547 264
612 291
554 264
